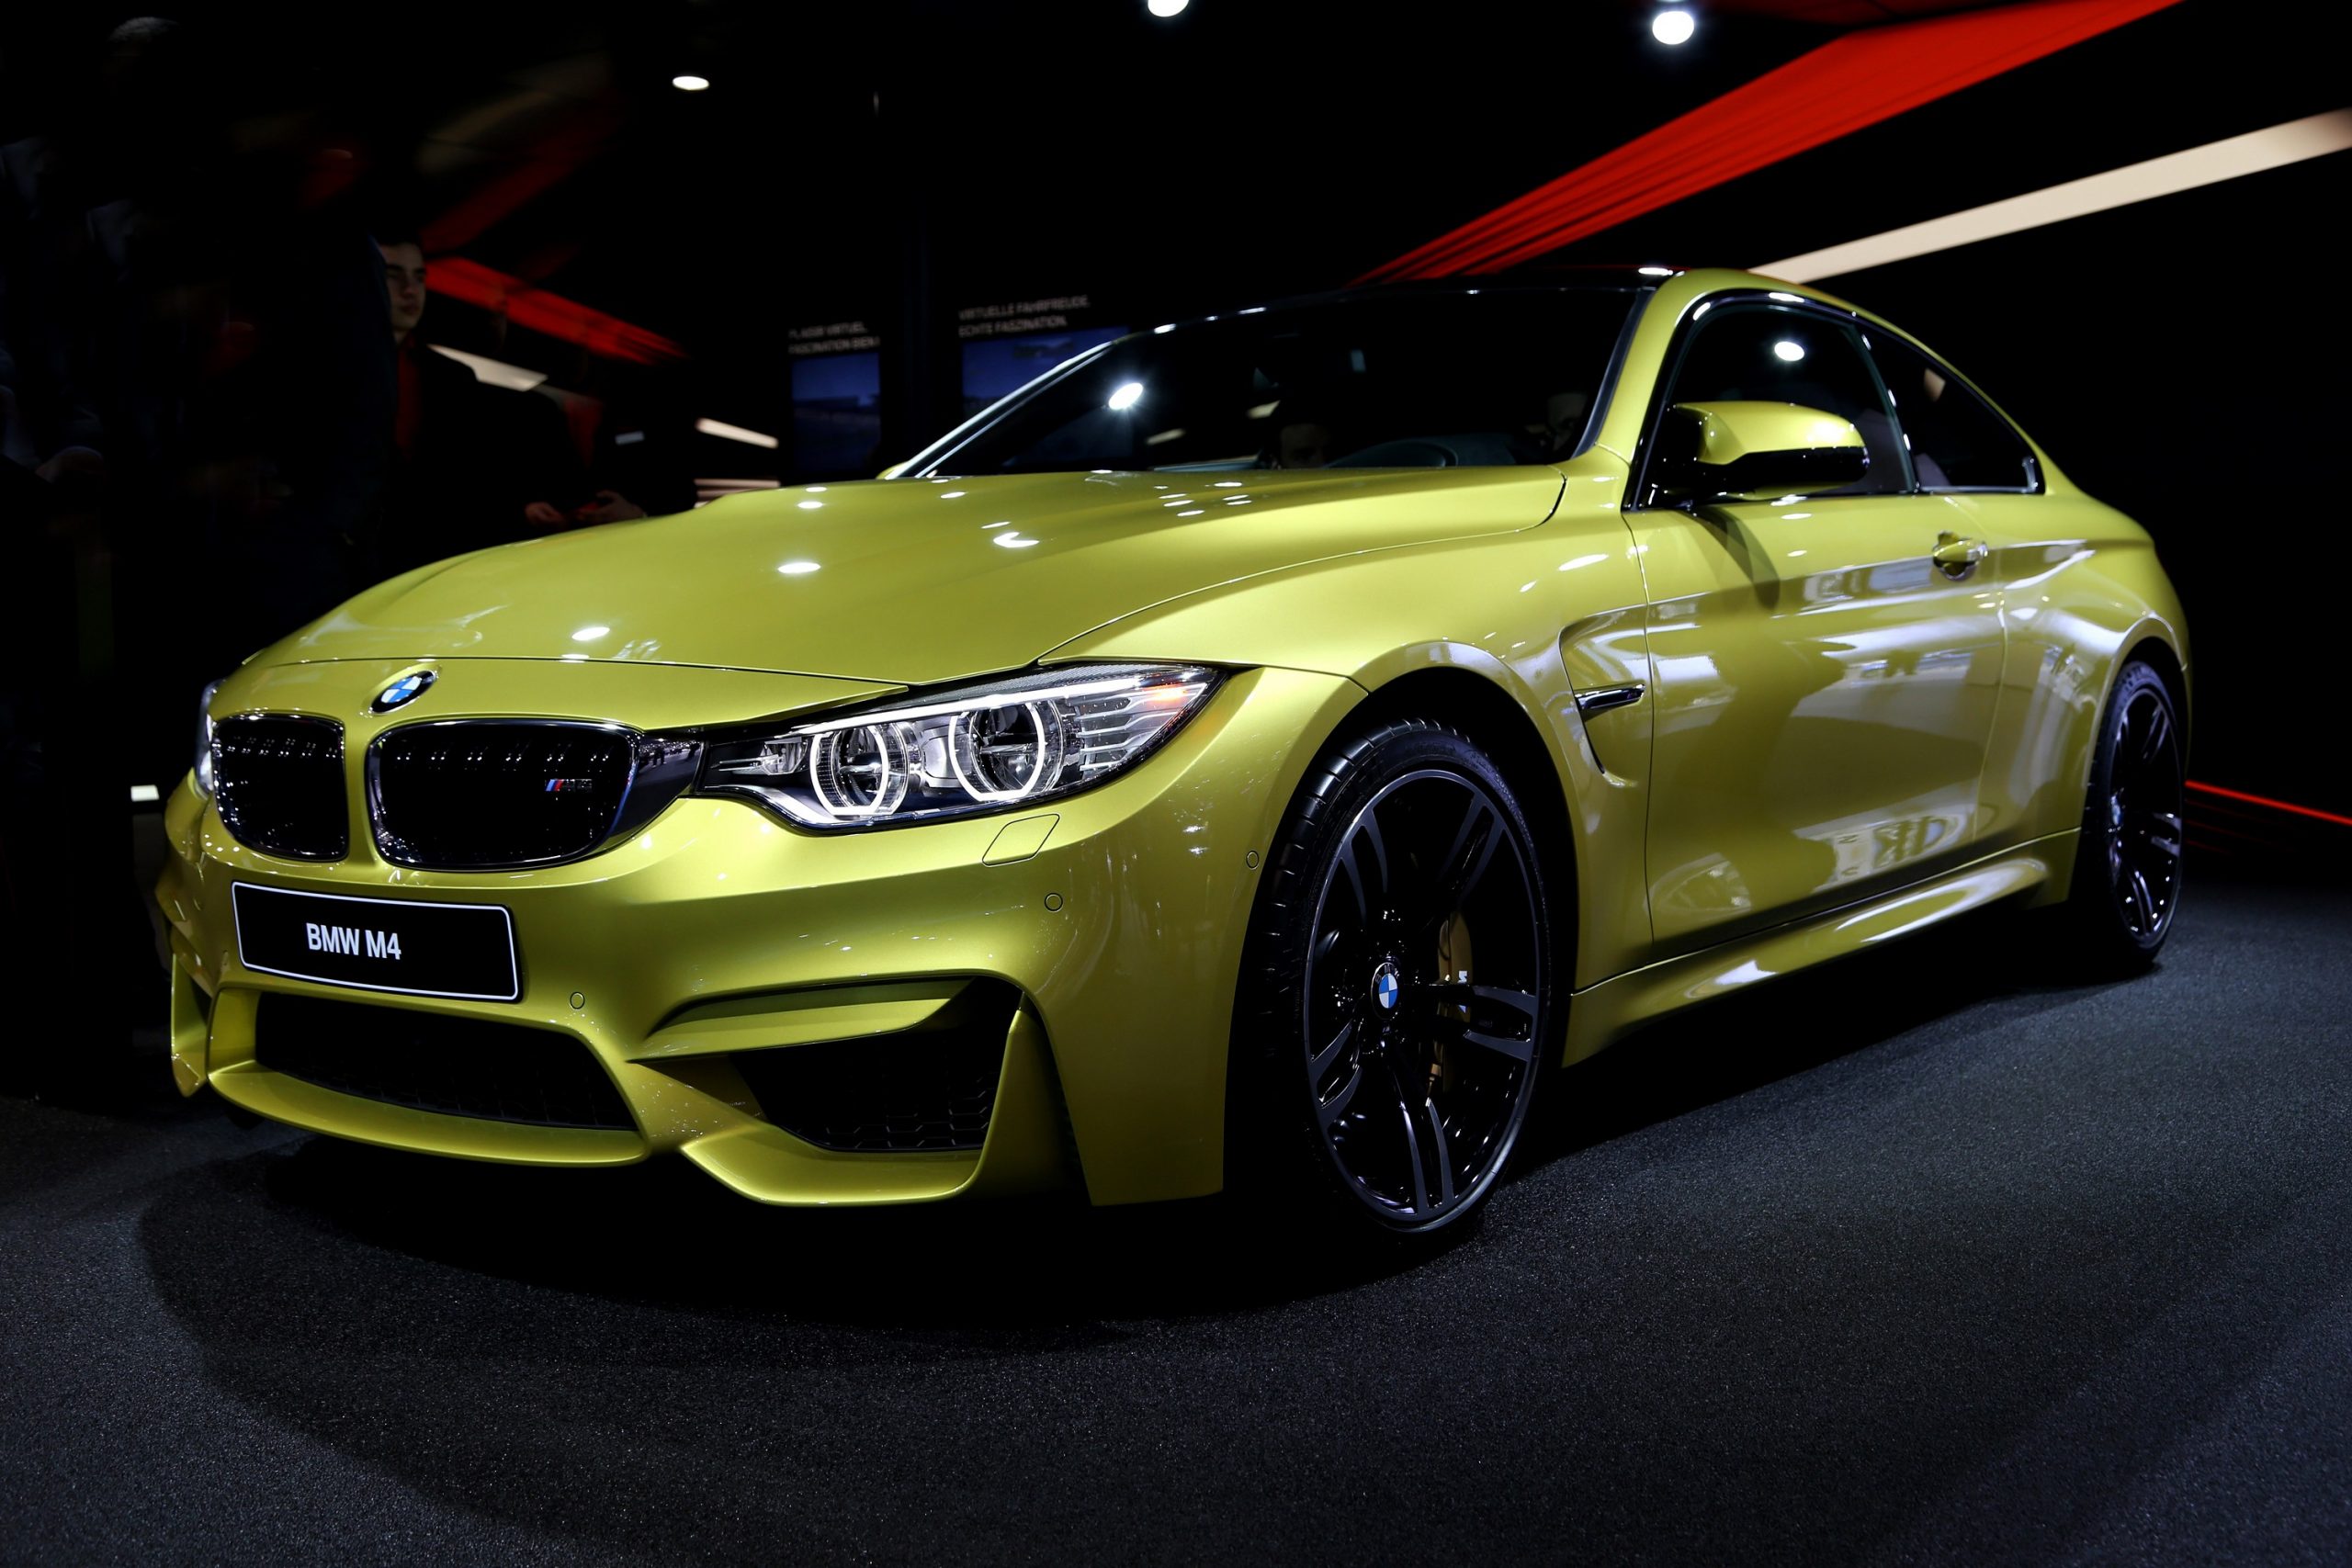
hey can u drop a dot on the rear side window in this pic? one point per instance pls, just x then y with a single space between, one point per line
1957 442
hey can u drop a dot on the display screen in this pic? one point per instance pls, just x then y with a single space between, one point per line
837 416
996 366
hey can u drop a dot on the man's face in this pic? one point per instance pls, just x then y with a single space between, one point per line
1306 445
404 284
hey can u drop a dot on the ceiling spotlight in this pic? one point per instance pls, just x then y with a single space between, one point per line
696 84
1673 25
1164 9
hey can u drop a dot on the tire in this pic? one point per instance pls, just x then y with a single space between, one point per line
1397 997
2127 880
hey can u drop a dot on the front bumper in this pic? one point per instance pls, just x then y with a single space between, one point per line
1112 919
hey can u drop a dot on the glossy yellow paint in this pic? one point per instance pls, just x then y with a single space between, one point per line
716 912
1839 742
905 582
1854 682
1730 431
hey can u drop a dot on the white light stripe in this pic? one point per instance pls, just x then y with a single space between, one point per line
142 794
726 432
497 372
2312 136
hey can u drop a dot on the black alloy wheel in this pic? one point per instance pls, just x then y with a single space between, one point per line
2127 876
1407 956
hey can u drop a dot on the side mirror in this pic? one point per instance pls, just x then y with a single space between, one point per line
1756 451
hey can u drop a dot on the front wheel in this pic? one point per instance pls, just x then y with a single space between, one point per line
1396 1006
2126 874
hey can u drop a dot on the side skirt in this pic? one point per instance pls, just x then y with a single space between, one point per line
1602 1013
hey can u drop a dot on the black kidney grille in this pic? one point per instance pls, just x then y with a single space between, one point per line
277 779
452 1066
930 1088
476 794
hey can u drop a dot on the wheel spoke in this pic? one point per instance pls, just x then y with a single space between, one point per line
1367 835
1440 1152
1332 1110
1465 863
1329 1054
1355 882
1458 994
1519 1051
1364 859
1482 1028
2159 830
2143 902
2154 740
1413 1158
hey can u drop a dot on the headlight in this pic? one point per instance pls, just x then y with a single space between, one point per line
984 748
203 769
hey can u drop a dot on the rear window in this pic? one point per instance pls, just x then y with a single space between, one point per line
1495 378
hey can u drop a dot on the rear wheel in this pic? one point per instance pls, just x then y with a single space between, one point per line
1397 996
2128 871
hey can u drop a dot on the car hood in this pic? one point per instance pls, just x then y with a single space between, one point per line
907 582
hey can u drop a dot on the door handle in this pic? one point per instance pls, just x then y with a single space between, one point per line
1956 555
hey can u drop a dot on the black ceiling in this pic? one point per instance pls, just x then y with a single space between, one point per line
1067 146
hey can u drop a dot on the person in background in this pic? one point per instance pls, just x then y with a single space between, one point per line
195 399
452 488
473 465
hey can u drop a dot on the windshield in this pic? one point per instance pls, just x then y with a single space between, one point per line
1487 378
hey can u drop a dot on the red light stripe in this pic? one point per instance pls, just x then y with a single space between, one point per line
528 306
554 159
1845 86
2274 805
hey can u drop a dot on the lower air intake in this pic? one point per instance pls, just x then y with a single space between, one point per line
436 1062
928 1089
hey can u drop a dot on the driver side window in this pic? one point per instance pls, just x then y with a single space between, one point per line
1764 354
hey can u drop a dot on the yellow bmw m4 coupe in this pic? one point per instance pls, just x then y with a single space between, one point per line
1268 749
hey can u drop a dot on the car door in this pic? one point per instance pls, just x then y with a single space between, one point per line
1962 449
1824 687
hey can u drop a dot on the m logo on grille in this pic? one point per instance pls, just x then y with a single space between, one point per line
571 786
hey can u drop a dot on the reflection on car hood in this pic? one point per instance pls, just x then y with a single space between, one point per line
905 581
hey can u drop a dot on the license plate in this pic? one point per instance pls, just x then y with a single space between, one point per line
416 949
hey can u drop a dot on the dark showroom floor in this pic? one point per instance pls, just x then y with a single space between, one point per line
1929 1258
